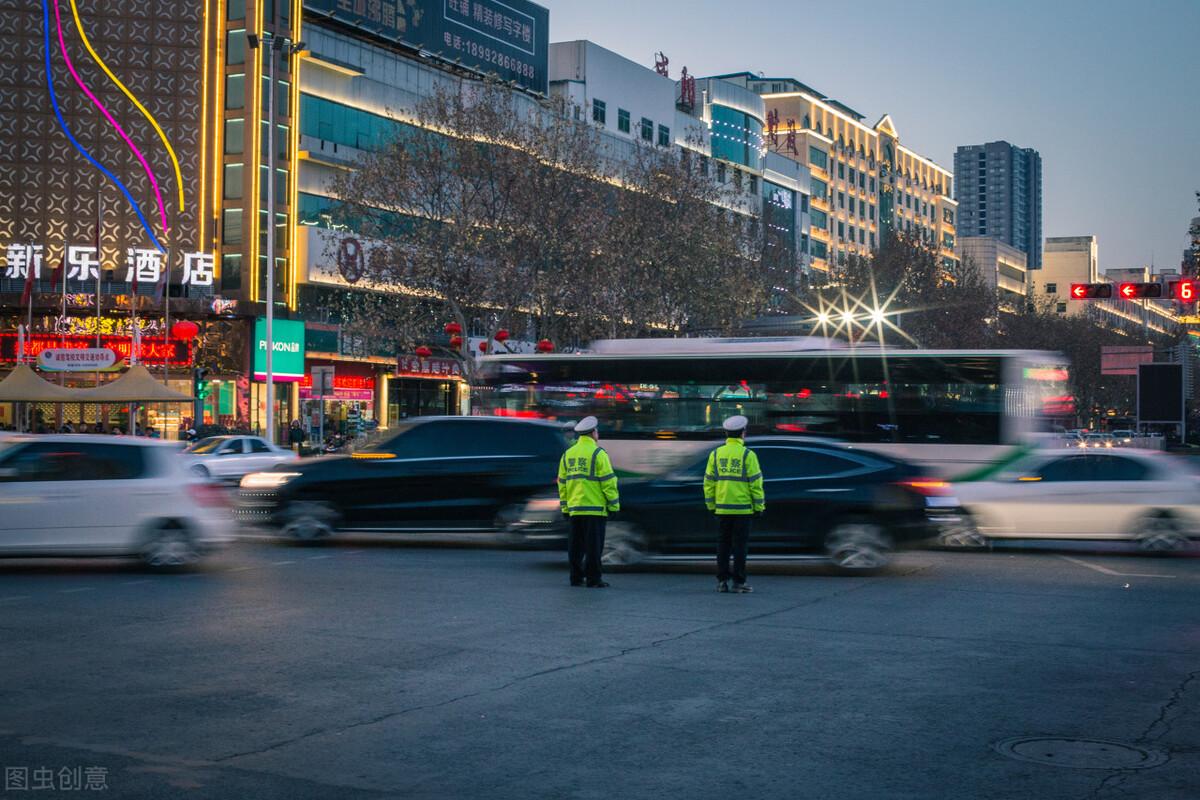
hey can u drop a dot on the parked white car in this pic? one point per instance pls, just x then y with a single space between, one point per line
91 495
228 458
1125 494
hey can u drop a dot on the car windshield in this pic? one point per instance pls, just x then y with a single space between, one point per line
206 445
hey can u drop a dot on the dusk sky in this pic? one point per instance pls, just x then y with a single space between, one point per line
1108 92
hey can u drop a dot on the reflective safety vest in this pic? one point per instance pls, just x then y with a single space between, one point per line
733 483
587 484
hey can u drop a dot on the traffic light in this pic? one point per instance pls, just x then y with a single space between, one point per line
1136 291
200 387
1184 290
1091 291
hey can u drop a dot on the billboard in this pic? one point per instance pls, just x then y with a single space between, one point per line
509 38
287 363
1160 393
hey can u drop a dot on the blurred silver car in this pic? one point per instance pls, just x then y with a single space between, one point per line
228 458
1117 494
91 495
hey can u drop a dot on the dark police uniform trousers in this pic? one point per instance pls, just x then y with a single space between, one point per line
587 539
734 536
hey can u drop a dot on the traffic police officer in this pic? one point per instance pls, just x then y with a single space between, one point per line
587 492
733 490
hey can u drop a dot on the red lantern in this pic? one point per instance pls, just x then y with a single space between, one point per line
501 335
545 346
452 327
423 352
185 329
456 341
483 347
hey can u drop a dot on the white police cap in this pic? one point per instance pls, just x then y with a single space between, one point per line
587 425
735 424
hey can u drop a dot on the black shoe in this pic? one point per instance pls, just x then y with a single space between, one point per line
742 588
723 586
598 585
577 583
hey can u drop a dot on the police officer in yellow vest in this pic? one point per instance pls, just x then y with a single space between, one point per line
587 491
733 490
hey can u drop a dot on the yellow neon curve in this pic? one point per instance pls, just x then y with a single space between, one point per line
87 44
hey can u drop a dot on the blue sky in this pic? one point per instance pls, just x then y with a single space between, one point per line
1108 92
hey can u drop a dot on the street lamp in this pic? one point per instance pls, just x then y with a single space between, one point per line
279 44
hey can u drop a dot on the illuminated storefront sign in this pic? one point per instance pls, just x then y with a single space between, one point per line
151 350
509 38
83 264
287 363
417 367
345 387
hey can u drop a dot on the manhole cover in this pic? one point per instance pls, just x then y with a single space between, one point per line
1079 753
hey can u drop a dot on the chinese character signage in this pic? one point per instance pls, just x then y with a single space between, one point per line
151 349
142 265
509 38
287 363
416 367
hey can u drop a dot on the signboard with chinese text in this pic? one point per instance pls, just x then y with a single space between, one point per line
287 362
151 349
408 366
345 387
86 359
509 38
142 265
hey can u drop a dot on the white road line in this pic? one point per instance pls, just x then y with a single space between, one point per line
316 558
241 569
14 598
80 589
1108 571
353 552
135 583
281 563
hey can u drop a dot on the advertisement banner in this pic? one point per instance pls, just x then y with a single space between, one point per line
509 38
151 349
287 362
87 359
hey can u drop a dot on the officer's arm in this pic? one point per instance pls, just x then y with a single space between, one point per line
562 483
754 474
608 482
710 482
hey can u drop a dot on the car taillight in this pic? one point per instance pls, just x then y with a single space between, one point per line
928 487
209 495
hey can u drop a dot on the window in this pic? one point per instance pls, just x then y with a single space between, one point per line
720 172
664 136
862 180
790 463
1093 468
1051 288
1061 308
819 220
818 158
258 446
852 175
872 185
231 226
862 208
872 240
841 230
70 461
861 236
704 166
622 120
235 91
841 170
235 47
852 234
598 111
841 199
233 182
753 184
818 188
647 130
871 211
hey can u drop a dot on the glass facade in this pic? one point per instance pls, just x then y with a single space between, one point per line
737 137
818 158
352 127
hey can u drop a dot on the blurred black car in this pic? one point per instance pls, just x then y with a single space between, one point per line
825 499
450 474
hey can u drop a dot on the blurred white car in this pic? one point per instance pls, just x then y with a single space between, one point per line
228 458
91 495
1126 494
1098 441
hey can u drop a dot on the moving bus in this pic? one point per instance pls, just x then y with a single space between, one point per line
659 400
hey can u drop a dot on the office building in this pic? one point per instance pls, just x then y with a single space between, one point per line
1001 266
998 187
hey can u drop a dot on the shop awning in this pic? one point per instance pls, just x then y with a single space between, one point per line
135 386
23 385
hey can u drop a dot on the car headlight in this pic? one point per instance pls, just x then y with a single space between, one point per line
543 504
267 480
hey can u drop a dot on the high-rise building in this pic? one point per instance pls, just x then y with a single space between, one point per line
865 184
998 187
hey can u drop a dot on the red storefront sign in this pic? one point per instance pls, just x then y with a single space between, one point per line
345 387
152 349
417 367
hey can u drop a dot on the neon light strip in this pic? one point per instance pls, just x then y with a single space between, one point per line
63 124
157 129
62 44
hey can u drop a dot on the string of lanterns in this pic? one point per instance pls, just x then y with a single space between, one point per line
454 331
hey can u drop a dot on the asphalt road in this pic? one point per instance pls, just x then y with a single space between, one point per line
361 670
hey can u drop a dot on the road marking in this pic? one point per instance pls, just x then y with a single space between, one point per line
353 552
240 569
316 558
1108 571
282 563
80 589
135 583
14 598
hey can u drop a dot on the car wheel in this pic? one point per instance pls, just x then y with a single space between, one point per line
857 545
169 547
1161 533
310 521
201 470
624 545
963 535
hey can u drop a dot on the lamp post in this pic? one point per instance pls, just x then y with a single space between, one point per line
279 44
